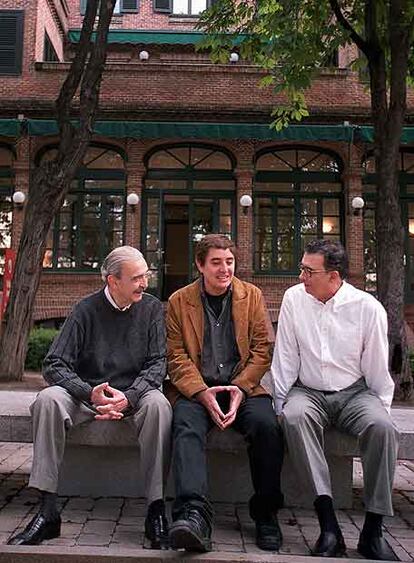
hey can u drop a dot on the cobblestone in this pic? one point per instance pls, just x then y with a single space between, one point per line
119 523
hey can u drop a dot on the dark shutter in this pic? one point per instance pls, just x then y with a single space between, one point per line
129 6
163 6
83 6
11 41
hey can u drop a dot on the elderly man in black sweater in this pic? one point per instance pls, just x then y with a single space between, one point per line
108 362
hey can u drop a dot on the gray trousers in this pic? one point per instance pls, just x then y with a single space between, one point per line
354 410
55 411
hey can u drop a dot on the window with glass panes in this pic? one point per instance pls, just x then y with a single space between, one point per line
92 218
406 183
6 190
196 182
188 7
297 198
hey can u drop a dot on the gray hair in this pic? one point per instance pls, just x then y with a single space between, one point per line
112 265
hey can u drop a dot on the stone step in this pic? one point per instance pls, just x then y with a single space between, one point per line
46 554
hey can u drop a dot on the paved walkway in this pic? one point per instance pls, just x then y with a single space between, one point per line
115 525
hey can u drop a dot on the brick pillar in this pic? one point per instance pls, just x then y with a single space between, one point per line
21 184
354 224
135 178
244 177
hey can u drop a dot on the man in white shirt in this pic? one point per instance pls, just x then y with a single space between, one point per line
330 367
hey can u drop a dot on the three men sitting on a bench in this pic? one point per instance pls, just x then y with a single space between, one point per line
329 367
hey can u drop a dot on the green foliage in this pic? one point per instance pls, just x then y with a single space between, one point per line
40 340
292 39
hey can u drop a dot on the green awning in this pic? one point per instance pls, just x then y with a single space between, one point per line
146 37
200 130
365 133
10 127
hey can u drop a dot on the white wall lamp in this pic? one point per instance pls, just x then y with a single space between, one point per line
133 200
19 198
143 55
234 57
246 202
357 205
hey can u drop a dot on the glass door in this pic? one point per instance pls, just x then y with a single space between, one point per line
172 226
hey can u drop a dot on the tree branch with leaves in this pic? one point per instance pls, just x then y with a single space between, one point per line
291 40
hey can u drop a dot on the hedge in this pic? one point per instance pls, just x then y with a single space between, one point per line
40 340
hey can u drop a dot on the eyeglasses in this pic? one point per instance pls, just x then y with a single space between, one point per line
148 275
308 272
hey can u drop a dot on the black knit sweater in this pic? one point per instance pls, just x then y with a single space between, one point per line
99 343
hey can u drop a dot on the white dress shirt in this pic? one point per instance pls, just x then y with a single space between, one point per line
112 301
329 346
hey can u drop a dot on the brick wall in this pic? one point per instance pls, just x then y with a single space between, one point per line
175 84
49 21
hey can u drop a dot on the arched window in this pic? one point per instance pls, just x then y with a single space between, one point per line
6 190
297 198
91 221
189 191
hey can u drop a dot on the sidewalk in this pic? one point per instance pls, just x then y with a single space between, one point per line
112 528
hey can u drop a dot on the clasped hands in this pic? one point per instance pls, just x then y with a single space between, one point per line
109 402
208 398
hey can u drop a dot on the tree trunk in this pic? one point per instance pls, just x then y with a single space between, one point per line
388 111
50 183
38 217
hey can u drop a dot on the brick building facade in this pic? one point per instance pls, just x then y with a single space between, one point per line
189 138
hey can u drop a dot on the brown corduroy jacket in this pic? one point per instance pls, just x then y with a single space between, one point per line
185 331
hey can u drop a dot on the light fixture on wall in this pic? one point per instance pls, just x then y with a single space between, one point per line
234 57
19 198
133 200
357 205
411 226
246 202
143 55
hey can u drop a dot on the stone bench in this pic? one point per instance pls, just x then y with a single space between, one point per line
101 458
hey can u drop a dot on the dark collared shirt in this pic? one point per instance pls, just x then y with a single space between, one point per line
220 354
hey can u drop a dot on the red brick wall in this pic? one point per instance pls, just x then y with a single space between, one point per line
175 83
146 18
48 21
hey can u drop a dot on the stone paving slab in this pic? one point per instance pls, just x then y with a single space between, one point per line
111 529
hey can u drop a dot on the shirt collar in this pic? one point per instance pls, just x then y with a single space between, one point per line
339 297
112 302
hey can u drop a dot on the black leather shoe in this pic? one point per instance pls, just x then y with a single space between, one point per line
329 545
376 547
156 525
37 530
268 534
191 532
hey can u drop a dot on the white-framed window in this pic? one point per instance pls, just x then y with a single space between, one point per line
189 7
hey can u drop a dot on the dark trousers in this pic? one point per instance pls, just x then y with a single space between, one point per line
256 421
